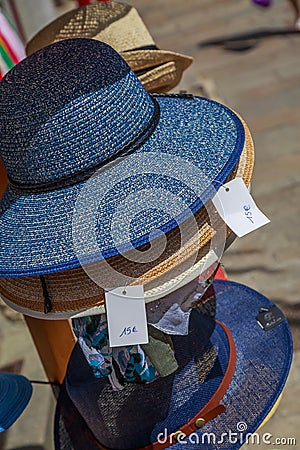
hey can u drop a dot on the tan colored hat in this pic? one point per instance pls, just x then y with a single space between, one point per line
72 291
120 26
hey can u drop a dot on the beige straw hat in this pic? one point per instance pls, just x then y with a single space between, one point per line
73 291
120 26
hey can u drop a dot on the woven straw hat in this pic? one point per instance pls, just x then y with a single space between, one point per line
231 373
73 291
68 125
119 25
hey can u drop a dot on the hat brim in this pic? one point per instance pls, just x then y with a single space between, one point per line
194 148
15 393
262 366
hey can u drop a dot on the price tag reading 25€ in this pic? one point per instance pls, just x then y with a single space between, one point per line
237 208
126 316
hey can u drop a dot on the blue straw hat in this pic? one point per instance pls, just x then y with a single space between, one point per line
15 393
231 372
75 107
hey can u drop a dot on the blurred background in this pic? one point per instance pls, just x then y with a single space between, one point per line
247 57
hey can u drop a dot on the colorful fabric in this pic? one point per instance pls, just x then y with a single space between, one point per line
11 48
120 364
141 364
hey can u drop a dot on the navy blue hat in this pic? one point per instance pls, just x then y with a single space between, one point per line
232 370
15 393
74 108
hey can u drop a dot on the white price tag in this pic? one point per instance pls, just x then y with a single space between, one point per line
237 208
126 316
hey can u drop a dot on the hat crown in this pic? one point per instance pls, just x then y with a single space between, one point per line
67 108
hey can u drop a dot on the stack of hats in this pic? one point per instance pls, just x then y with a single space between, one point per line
15 394
111 186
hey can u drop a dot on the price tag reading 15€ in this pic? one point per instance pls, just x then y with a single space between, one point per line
237 208
126 316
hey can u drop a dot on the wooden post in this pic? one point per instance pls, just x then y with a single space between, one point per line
53 339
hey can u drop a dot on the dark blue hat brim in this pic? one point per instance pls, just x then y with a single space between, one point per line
194 136
15 393
263 364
